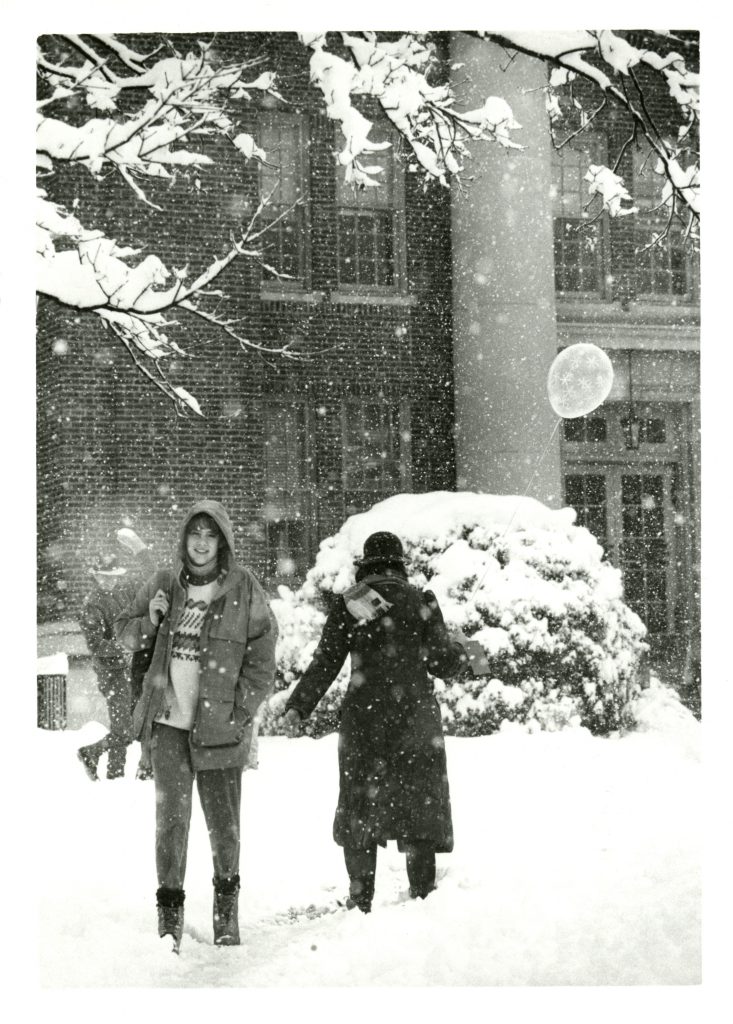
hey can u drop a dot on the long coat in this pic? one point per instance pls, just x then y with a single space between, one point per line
392 765
110 659
237 655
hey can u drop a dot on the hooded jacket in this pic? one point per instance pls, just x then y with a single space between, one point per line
237 653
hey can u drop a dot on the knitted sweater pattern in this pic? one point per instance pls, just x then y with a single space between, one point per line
181 695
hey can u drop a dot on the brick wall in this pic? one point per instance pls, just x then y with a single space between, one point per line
110 445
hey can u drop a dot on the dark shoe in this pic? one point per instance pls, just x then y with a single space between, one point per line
89 759
421 894
170 915
365 906
226 911
115 772
144 772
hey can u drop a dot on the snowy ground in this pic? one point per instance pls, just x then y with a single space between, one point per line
577 862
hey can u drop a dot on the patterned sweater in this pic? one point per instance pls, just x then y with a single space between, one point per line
181 695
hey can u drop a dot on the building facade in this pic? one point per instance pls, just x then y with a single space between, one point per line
425 324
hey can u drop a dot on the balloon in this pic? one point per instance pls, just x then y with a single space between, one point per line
580 378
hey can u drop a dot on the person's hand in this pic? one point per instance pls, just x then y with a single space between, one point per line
292 722
158 607
130 540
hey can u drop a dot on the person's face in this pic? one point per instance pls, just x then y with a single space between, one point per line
106 583
202 544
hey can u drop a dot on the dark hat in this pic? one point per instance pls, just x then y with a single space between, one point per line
382 547
106 565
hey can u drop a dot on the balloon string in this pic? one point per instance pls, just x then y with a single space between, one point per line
506 529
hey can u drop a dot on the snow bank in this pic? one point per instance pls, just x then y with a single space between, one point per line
577 862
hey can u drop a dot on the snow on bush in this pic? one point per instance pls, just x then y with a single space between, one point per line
522 579
659 710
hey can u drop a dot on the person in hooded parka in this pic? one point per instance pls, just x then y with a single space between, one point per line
115 584
393 781
213 664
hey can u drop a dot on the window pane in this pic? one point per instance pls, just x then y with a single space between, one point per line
574 490
662 268
366 222
632 519
365 248
631 490
282 180
573 429
653 487
577 255
596 429
284 448
656 617
595 489
285 507
374 452
369 197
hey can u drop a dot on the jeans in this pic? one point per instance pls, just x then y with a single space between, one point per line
114 685
220 793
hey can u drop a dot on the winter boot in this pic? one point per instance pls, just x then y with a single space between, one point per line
420 860
361 894
115 768
361 866
144 772
365 906
170 914
89 757
226 911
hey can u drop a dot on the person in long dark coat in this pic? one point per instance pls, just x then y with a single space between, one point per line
392 765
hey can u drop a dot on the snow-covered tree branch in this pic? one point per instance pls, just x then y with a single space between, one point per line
611 64
82 267
397 74
149 118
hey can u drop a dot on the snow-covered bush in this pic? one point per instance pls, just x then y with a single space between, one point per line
522 579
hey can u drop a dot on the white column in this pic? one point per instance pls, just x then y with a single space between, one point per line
503 287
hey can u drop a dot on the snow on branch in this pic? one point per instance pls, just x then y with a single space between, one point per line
613 65
168 102
395 74
92 275
610 187
107 108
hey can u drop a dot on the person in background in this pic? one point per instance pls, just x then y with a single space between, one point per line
393 777
113 588
212 636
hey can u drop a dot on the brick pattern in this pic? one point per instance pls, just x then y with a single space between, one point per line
111 445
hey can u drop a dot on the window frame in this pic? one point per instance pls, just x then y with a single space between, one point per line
298 123
380 132
593 147
649 221
354 406
307 493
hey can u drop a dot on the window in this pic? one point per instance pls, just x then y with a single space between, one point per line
289 507
376 452
370 225
282 178
634 504
645 547
663 268
578 234
586 493
585 428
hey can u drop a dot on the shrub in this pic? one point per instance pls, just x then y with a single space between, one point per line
526 582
